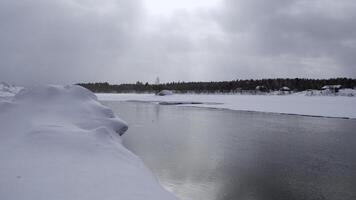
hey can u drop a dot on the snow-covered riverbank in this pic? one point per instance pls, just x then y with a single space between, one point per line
300 104
60 143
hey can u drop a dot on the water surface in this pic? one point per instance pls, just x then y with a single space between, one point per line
212 154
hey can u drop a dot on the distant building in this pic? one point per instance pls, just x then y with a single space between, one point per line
332 88
285 89
261 88
164 93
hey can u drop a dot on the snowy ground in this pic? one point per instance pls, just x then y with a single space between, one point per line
342 92
328 106
60 143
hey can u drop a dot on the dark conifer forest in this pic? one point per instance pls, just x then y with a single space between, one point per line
234 86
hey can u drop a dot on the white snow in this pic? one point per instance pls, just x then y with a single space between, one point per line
328 106
60 143
327 92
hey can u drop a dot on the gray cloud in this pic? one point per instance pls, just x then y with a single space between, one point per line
307 38
117 41
64 41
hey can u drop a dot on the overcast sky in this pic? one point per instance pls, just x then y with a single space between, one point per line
71 41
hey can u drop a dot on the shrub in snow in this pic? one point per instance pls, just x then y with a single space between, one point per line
8 90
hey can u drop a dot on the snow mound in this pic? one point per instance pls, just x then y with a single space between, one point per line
45 93
59 142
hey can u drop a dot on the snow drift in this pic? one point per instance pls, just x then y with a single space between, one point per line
60 143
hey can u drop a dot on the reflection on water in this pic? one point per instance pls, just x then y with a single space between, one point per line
220 154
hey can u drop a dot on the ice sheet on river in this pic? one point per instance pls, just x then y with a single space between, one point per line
327 106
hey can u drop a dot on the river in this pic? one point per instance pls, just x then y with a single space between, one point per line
211 154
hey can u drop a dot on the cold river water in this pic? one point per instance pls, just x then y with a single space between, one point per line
211 154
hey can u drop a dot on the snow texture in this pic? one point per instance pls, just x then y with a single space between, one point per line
60 143
299 104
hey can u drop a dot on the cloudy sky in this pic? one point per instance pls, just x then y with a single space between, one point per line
70 41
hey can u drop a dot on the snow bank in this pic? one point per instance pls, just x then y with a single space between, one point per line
60 143
328 106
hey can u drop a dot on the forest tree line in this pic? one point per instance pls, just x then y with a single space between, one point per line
234 86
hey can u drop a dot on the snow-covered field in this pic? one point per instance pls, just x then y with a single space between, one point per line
300 104
60 143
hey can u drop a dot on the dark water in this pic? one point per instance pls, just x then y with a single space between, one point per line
206 154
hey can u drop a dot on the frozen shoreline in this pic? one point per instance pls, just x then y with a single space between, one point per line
60 143
297 104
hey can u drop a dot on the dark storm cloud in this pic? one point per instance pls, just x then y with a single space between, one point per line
316 38
72 41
